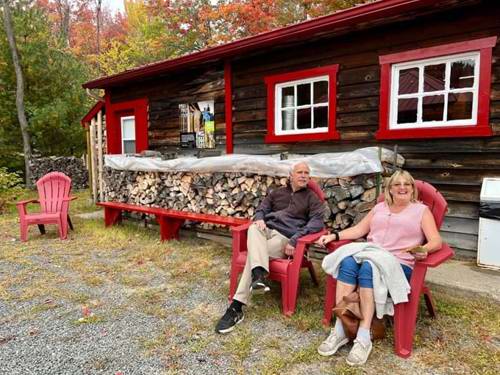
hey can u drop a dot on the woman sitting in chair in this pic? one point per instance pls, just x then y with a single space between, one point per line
395 226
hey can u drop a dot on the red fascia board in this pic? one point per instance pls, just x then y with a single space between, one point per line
440 50
363 13
92 113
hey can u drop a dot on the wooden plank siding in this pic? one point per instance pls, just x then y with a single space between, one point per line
455 166
166 93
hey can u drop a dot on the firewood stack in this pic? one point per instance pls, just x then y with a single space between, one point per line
71 166
235 194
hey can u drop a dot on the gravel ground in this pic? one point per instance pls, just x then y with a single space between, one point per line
118 301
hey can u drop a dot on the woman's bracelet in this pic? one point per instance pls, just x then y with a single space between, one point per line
336 235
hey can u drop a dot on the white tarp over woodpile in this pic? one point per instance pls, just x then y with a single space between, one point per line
325 165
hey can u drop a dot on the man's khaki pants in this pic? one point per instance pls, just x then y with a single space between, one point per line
261 245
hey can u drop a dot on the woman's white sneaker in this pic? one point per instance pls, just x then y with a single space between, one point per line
359 353
332 343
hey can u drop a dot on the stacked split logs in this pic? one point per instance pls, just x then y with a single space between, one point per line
235 194
71 166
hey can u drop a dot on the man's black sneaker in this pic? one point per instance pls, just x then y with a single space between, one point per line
229 320
259 286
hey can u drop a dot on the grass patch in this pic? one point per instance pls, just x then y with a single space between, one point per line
239 344
92 319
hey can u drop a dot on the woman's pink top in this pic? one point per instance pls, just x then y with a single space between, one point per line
396 232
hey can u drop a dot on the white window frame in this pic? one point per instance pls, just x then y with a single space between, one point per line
122 120
420 64
278 109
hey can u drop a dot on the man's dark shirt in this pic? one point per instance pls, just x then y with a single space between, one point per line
293 214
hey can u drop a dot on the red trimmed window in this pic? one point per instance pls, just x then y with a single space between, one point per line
437 92
301 105
127 126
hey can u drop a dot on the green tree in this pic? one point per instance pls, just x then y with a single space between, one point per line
54 99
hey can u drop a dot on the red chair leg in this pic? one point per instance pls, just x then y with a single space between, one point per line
285 298
64 224
23 226
405 315
431 308
330 291
292 283
233 282
60 227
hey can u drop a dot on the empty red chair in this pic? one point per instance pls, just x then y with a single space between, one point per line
53 196
405 314
285 271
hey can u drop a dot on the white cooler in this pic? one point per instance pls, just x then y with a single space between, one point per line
488 247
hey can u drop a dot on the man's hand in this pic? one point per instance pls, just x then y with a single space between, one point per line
260 224
289 250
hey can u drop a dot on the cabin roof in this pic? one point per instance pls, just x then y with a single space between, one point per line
355 18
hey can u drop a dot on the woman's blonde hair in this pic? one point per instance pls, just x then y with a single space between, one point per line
405 175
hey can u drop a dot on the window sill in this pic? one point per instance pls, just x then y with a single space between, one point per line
441 132
271 138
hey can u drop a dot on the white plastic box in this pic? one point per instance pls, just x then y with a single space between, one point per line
488 247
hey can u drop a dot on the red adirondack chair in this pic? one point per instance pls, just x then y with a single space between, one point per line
53 196
285 271
405 314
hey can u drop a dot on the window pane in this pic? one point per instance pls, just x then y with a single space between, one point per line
407 110
408 81
434 77
462 74
460 106
433 108
304 94
287 97
321 117
321 92
304 118
129 147
287 119
128 128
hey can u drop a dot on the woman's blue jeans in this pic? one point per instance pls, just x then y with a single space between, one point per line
353 273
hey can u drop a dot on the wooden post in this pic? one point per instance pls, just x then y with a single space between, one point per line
100 161
93 159
89 159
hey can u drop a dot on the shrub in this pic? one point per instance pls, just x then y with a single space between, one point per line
10 187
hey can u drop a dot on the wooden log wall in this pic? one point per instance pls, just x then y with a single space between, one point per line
455 166
167 92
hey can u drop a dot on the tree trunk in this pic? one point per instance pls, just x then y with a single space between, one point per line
64 10
9 30
98 24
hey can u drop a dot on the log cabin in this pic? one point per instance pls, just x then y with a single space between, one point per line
421 75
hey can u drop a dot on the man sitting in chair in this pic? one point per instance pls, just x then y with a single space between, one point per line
285 215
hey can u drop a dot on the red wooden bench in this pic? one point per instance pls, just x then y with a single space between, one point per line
170 220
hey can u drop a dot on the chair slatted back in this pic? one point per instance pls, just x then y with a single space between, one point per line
432 198
313 185
52 188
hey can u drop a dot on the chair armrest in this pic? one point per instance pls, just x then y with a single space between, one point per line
435 258
239 241
334 245
25 202
69 199
240 228
311 238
